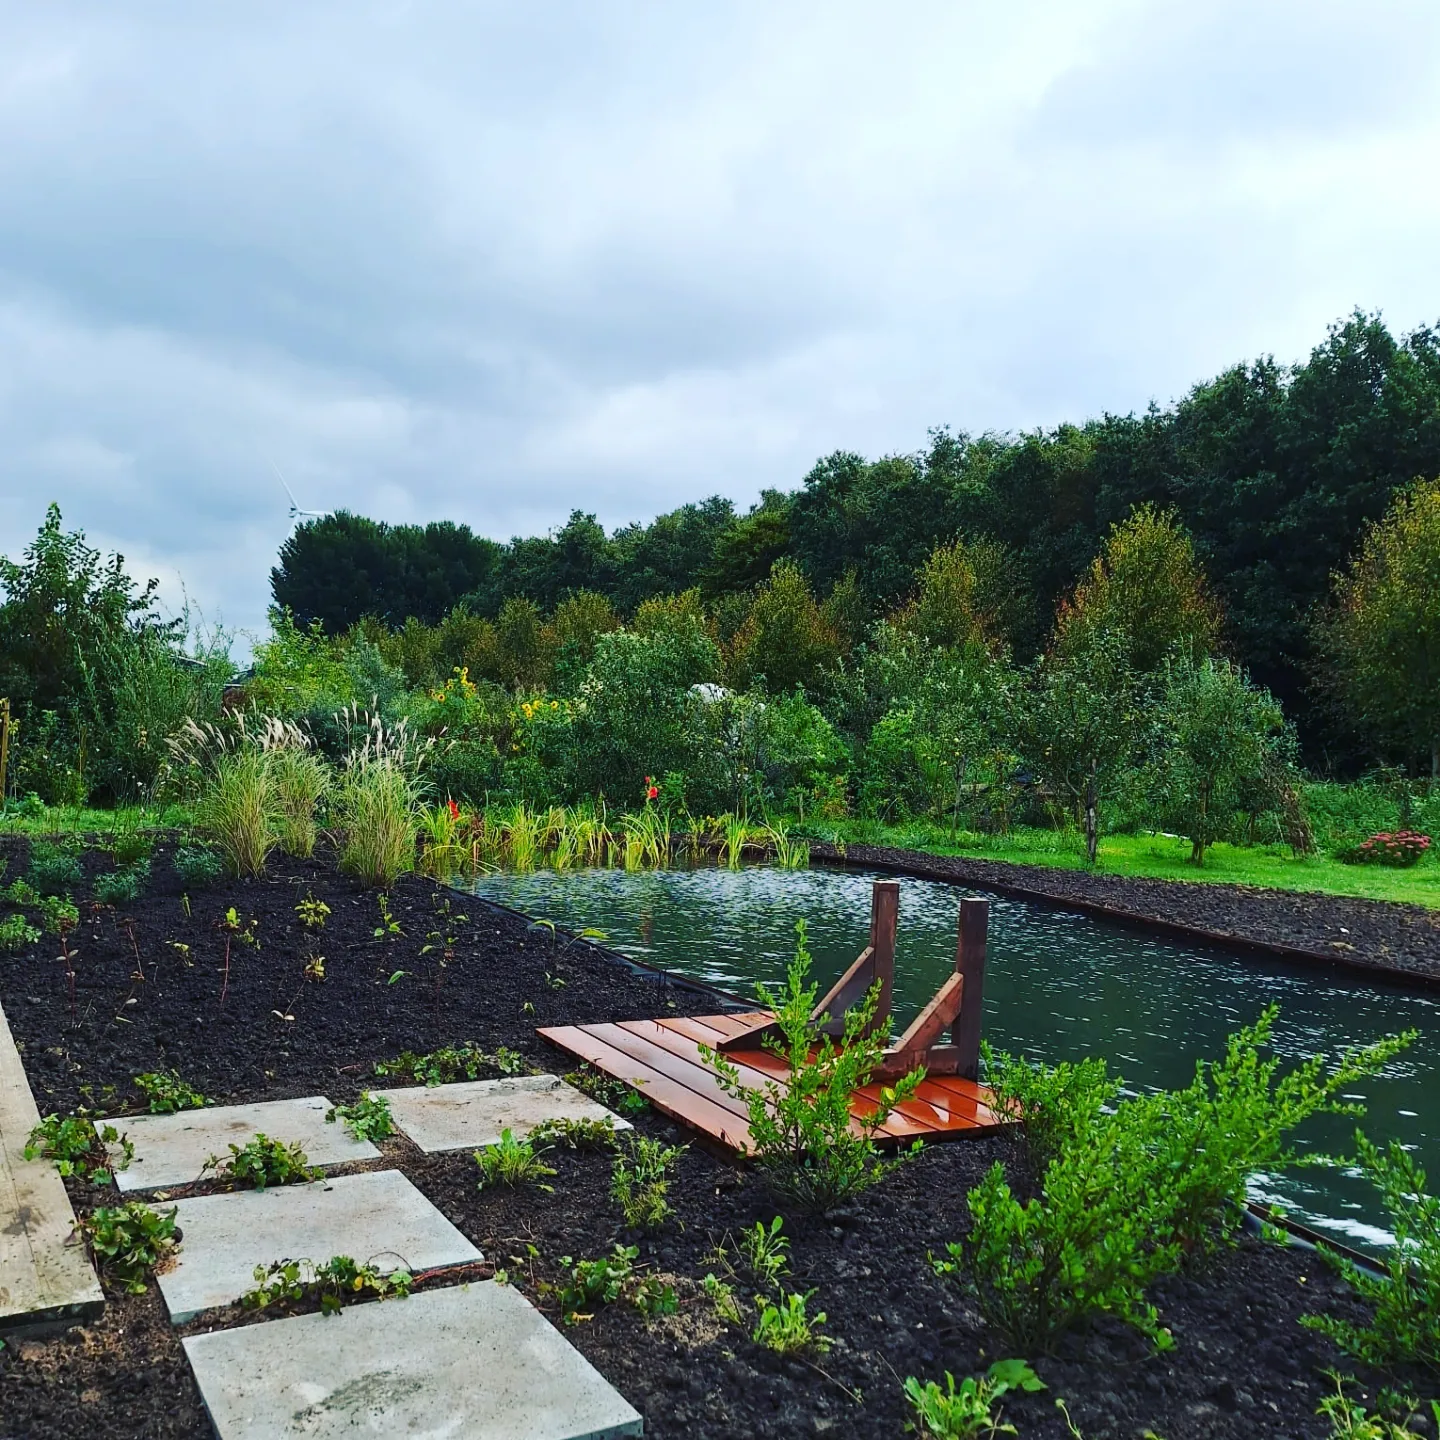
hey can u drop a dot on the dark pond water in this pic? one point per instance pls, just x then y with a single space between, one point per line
1059 986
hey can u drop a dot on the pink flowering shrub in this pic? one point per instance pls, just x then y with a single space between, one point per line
1398 848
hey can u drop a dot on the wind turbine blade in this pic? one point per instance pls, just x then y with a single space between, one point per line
294 503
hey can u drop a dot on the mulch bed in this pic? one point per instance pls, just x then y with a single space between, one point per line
1337 930
1242 1366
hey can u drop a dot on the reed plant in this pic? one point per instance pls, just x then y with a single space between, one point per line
378 804
236 810
790 853
734 832
441 852
300 779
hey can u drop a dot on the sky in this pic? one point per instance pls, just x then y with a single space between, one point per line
492 263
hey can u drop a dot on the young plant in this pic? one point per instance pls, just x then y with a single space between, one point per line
198 866
77 1147
312 913
61 917
389 926
263 1162
1349 1420
572 1134
765 1250
16 934
787 1327
20 892
441 941
612 1094
512 1162
368 1118
122 887
967 1412
801 1130
639 1183
1404 1323
721 1294
54 867
1050 1102
592 1283
438 1067
167 1092
129 1241
315 968
236 932
334 1282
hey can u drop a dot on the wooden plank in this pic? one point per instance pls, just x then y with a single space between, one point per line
674 1099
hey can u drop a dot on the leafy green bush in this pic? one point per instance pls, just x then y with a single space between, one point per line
59 915
198 866
1052 1103
968 1412
54 867
639 1183
20 892
1129 1192
130 1240
800 1126
167 1093
1404 1325
122 887
77 1147
16 934
263 1162
592 1283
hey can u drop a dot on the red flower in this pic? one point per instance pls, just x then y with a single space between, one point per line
454 809
652 793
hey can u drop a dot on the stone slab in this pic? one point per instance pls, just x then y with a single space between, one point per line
476 1361
476 1112
377 1217
46 1278
173 1149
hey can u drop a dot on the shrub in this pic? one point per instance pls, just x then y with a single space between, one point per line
1398 849
511 1162
59 914
20 892
1052 1103
262 1162
122 887
16 934
967 1412
130 1240
377 810
54 868
639 1183
235 811
130 842
800 1126
198 866
1404 1324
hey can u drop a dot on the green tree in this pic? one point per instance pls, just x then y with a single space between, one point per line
1219 741
786 639
1379 639
524 643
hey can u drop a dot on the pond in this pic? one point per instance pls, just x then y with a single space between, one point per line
1059 986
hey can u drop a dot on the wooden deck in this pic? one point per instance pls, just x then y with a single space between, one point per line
661 1059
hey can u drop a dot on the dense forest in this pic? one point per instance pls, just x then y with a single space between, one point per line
1272 470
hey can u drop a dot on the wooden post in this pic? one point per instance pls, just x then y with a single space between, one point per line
884 920
970 962
4 746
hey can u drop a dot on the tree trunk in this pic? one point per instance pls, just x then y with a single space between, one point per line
1092 825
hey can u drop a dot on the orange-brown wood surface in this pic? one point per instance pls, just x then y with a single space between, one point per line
661 1059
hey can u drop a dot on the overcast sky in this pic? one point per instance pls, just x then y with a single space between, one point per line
494 262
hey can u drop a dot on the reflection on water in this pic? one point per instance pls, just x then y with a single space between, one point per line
1059 986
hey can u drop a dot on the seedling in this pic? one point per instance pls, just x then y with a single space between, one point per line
765 1252
451 1063
722 1296
570 1134
129 1241
20 892
368 1118
612 1094
262 1162
313 913
389 926
787 1328
77 1147
333 1282
16 934
592 1283
122 887
167 1092
441 941
236 931
555 982
638 1182
182 950
512 1162
966 1412
315 968
61 917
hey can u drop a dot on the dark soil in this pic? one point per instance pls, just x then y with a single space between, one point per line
1335 930
1242 1366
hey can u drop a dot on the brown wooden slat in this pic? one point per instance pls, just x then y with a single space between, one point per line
972 1091
665 1094
727 1025
679 1069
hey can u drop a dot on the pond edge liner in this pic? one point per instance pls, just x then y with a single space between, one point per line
918 869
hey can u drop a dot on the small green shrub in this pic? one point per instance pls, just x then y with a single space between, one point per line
130 1240
123 887
512 1162
198 866
438 1067
1349 1420
368 1118
571 1134
58 914
335 1281
1404 1324
1052 1103
54 868
639 1183
592 1283
787 1328
967 1412
800 1127
20 892
77 1147
766 1252
167 1093
130 843
312 913
16 934
263 1162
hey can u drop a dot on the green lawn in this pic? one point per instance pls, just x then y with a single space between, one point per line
1164 858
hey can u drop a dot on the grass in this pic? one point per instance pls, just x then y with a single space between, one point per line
1160 857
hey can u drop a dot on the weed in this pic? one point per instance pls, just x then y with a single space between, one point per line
653 1297
16 934
333 1281
788 1328
54 867
122 887
967 1412
20 892
263 1162
638 1181
130 1240
77 1147
368 1118
613 1094
802 1132
721 1295
571 1134
313 913
512 1162
1349 1420
1404 1323
236 932
198 866
389 926
167 1092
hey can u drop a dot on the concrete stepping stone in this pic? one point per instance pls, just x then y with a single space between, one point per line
477 1361
377 1217
476 1112
46 1278
173 1149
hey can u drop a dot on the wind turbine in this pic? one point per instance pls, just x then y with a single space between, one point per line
296 513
